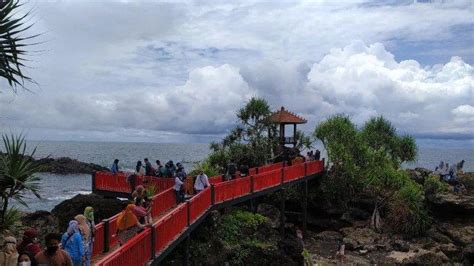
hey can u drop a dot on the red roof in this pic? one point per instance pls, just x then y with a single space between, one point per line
284 117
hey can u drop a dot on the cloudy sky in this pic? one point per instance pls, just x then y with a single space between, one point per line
177 72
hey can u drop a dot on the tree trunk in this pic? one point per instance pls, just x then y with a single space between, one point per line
375 222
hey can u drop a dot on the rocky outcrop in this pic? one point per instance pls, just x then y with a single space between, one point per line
451 205
44 222
419 174
103 208
65 165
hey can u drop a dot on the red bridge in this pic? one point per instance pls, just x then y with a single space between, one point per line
173 224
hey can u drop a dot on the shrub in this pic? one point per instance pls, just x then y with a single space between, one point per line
433 185
406 211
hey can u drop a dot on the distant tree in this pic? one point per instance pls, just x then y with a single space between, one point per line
17 176
13 44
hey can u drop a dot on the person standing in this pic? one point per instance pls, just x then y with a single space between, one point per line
201 183
53 255
115 168
178 188
149 171
72 243
158 168
9 254
127 224
86 237
89 214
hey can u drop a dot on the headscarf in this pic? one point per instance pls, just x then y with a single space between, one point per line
82 225
10 255
89 213
28 237
73 227
127 218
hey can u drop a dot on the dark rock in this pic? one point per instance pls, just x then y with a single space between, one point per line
44 222
400 245
461 234
65 165
468 254
467 179
329 235
449 249
419 174
350 243
451 205
103 208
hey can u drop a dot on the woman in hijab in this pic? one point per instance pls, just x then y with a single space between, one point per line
127 224
8 254
30 242
89 214
72 243
86 236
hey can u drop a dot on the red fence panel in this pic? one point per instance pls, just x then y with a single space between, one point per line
110 182
199 204
231 189
163 201
266 180
136 251
170 226
215 179
270 167
293 172
98 239
160 183
253 171
113 230
314 167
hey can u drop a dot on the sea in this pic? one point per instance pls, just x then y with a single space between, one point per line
57 188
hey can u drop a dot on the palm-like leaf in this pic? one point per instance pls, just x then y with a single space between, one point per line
12 44
17 172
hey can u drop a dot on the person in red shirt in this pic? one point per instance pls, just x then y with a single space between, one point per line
30 242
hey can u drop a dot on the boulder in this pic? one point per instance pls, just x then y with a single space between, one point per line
350 243
400 245
419 174
329 236
44 222
467 179
66 165
363 236
461 234
103 208
468 254
451 205
449 249
420 257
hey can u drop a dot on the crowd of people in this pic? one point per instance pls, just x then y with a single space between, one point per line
73 248
448 173
313 155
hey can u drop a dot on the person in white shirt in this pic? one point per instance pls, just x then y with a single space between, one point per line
202 182
178 184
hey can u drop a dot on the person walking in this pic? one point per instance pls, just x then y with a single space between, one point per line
9 254
26 259
53 255
89 214
85 231
73 244
178 188
201 183
149 171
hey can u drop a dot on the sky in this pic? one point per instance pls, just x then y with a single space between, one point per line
178 71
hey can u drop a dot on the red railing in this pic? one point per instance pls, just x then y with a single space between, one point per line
266 180
118 183
314 167
98 239
170 226
137 251
270 167
112 233
215 179
231 189
293 172
163 201
199 204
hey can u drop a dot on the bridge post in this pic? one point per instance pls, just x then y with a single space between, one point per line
106 235
282 213
305 206
305 169
281 176
188 210
256 170
186 251
213 195
93 182
153 243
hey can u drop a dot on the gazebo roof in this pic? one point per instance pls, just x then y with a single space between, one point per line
285 117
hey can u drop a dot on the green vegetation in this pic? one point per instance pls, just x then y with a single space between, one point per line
232 225
17 178
433 185
13 43
367 161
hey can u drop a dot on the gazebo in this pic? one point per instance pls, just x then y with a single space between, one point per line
283 118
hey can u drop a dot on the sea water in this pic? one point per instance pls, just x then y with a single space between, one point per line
56 188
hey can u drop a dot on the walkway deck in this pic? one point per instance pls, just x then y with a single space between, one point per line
174 223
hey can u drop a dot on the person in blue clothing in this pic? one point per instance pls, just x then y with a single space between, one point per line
115 168
72 243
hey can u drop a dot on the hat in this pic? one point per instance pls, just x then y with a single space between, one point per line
9 240
30 233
